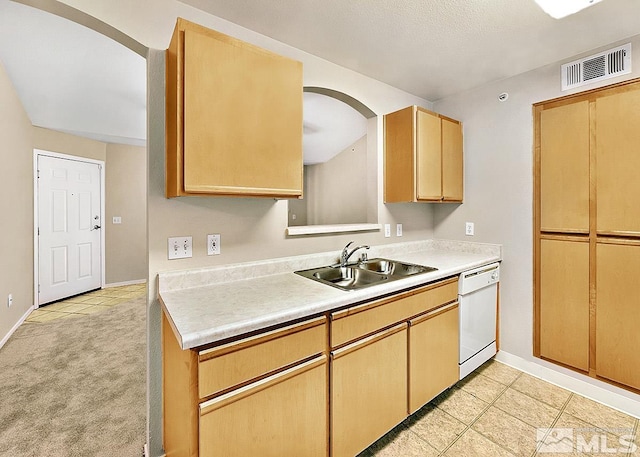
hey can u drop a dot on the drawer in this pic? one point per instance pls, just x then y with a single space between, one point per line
284 414
238 362
363 320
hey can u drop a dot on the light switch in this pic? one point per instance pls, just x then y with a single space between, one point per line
398 229
117 220
180 247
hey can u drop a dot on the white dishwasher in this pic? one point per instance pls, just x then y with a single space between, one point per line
478 298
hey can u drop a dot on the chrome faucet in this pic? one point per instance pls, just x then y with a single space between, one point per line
344 257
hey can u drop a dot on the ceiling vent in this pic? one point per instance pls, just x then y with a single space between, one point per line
605 65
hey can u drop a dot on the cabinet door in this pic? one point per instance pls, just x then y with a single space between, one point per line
564 302
617 163
234 117
428 156
368 390
399 157
285 414
618 313
452 168
433 355
564 168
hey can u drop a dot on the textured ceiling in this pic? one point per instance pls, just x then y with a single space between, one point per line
432 48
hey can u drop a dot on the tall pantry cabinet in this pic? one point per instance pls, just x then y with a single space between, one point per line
587 232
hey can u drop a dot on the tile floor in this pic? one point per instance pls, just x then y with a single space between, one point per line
497 410
89 303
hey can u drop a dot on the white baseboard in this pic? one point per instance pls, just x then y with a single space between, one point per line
607 394
15 327
125 283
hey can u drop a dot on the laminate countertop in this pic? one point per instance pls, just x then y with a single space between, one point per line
212 304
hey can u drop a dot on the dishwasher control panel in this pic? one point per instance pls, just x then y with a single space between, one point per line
479 277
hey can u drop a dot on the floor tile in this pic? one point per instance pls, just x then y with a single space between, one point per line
527 409
598 414
498 371
460 404
507 431
403 444
46 317
436 427
112 301
95 300
59 306
473 444
75 307
482 387
77 299
94 309
541 390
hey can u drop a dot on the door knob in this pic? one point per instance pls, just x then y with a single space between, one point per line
96 227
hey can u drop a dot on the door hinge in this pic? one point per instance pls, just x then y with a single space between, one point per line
38 174
38 288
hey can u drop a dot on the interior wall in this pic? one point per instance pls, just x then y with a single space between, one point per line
126 197
338 193
65 143
16 207
498 149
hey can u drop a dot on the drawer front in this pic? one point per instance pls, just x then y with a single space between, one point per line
283 415
363 320
224 367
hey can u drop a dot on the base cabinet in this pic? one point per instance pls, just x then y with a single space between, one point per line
327 386
368 390
284 415
433 354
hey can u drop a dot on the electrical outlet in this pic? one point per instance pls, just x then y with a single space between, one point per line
469 229
180 247
117 219
9 300
387 230
213 244
398 229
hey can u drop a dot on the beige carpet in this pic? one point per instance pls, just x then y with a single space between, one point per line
76 387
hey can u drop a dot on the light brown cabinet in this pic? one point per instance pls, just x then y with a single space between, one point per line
234 117
332 385
284 414
368 390
248 397
389 358
423 157
564 301
433 354
617 335
587 232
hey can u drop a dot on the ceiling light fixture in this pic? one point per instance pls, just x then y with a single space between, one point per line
560 8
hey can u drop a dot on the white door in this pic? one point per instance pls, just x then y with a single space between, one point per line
69 227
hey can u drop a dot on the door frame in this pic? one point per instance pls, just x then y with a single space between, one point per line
36 258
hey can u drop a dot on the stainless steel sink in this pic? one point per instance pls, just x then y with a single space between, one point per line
363 274
394 268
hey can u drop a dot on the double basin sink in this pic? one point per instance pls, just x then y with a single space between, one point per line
363 274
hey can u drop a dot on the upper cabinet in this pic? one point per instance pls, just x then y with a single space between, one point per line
234 117
423 157
564 168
